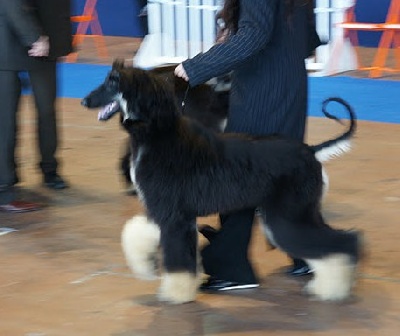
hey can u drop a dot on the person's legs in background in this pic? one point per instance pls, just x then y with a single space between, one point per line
44 86
10 91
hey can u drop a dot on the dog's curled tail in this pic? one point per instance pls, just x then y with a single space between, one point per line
336 147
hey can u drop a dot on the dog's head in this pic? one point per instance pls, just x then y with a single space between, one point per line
140 97
108 95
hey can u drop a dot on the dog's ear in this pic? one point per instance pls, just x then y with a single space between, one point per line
118 64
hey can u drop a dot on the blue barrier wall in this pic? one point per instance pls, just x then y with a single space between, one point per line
373 11
120 17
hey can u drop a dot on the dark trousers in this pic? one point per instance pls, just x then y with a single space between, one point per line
226 255
44 86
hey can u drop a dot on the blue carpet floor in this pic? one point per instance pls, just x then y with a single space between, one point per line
373 100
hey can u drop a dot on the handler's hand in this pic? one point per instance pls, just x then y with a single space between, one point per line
40 48
180 72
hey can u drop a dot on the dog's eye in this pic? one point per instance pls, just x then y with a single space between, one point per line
114 82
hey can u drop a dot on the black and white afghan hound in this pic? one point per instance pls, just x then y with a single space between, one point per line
183 170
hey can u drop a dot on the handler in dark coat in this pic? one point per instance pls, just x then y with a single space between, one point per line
265 48
25 24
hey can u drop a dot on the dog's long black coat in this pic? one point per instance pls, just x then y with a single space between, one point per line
184 170
207 103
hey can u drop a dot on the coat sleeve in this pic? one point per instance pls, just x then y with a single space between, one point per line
21 20
256 24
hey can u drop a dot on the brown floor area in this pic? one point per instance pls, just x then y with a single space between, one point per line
63 272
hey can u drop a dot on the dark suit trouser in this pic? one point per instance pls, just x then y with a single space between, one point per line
226 256
44 86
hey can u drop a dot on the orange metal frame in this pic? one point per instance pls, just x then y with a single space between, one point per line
88 19
389 37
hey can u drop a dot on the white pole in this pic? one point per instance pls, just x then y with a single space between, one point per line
182 29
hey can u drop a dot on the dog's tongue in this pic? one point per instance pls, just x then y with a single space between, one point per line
108 111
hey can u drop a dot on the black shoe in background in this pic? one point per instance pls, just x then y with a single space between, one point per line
20 207
207 231
299 271
54 181
299 268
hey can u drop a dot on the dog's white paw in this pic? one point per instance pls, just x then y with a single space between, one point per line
333 278
310 287
140 240
178 288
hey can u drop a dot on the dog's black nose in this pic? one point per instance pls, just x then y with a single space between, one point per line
85 102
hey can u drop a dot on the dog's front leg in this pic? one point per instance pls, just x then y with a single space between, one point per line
140 241
180 280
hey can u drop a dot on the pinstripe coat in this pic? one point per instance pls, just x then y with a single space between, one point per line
266 57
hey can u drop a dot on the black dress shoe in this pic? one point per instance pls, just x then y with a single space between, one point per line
217 285
20 206
299 271
207 231
54 181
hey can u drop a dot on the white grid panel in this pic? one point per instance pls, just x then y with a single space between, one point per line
180 29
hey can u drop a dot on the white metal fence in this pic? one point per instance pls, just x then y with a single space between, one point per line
180 29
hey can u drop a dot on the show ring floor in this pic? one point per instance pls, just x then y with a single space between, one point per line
63 272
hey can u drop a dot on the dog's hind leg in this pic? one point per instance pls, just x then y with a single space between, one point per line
333 277
180 280
332 254
335 270
334 260
140 242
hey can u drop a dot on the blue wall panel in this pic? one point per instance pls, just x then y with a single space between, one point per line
117 17
373 11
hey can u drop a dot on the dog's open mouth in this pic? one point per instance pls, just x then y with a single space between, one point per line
108 111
